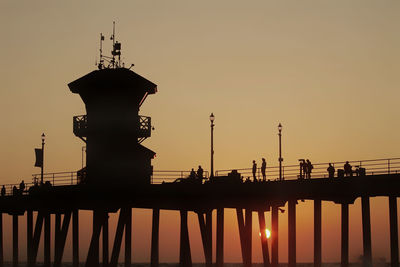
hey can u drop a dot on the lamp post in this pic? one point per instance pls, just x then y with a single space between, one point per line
212 118
280 151
41 169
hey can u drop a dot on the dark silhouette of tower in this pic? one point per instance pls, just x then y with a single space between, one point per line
112 128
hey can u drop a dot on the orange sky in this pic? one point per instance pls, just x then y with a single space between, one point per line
328 71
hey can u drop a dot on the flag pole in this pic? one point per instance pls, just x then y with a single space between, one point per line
41 169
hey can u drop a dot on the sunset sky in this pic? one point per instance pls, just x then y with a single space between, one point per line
329 71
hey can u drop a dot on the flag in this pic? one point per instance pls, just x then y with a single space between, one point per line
102 37
39 157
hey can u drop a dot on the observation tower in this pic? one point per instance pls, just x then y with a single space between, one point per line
112 128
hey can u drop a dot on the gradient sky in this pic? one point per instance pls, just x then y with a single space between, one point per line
327 70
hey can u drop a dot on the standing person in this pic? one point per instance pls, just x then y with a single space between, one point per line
309 168
192 174
22 186
331 171
15 190
200 173
305 169
347 169
254 170
263 168
3 191
301 168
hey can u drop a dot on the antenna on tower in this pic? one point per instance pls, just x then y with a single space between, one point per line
112 62
116 50
101 62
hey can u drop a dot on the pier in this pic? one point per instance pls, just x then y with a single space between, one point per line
63 202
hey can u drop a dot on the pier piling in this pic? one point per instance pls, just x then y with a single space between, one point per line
394 238
47 239
15 240
345 236
75 238
366 226
185 258
105 240
263 237
245 229
220 238
274 236
128 238
317 234
1 241
155 243
292 232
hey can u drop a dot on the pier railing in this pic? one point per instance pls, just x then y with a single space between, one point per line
55 179
290 172
172 176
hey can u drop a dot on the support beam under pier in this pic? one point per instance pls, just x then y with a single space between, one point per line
263 237
245 229
366 225
317 234
105 240
274 236
155 241
125 219
220 238
292 232
47 239
206 235
345 236
1 241
128 238
185 257
29 237
75 238
15 240
394 238
92 259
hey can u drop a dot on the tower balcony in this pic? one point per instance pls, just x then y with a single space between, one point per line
143 129
80 127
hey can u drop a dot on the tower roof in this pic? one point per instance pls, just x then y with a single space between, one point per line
112 79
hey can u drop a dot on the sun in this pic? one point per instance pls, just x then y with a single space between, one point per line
267 233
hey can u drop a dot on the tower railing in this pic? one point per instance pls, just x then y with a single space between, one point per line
80 126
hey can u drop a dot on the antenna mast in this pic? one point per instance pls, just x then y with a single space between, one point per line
101 62
116 51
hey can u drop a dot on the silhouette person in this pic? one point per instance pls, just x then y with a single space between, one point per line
301 168
200 173
15 190
192 174
305 169
347 169
254 170
263 168
22 186
331 171
309 168
3 191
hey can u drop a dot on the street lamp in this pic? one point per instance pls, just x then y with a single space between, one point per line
280 151
212 118
41 169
